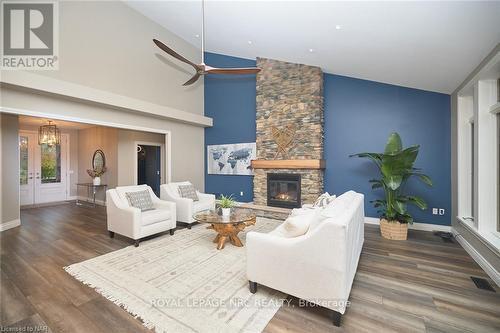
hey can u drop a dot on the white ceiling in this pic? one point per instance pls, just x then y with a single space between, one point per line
425 45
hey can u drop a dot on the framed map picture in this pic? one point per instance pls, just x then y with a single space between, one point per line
231 159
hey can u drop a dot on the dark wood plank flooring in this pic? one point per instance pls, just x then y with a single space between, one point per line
419 285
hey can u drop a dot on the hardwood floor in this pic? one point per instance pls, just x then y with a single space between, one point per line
419 285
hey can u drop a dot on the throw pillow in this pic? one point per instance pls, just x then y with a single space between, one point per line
188 191
297 225
324 200
140 199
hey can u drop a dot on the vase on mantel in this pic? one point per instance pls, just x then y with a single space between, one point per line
96 181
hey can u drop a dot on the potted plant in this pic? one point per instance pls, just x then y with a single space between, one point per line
396 167
96 175
226 203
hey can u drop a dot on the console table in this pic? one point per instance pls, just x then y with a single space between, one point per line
91 190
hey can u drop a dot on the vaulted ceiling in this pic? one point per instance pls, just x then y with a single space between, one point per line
424 45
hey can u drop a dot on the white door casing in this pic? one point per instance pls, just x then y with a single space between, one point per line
38 190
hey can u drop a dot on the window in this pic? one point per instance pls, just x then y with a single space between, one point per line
472 152
50 163
23 160
498 155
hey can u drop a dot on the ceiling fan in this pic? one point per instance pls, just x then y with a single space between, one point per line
203 69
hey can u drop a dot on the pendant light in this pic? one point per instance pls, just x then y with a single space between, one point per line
49 134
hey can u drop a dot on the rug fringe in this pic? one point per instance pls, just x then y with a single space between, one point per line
84 278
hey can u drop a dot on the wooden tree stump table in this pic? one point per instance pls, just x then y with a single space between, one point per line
227 227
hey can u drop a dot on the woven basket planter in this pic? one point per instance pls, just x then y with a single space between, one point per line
393 230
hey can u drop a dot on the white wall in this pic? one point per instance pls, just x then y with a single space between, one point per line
108 46
187 152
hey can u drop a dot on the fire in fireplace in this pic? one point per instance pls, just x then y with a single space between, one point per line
283 190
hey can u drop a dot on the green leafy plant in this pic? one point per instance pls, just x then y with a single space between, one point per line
396 167
226 201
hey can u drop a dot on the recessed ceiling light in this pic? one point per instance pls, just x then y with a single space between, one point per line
249 42
338 27
311 50
197 36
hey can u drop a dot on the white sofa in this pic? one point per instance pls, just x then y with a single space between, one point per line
131 222
318 266
186 208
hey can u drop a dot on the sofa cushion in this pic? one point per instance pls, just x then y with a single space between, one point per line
202 204
154 216
141 200
335 209
297 225
324 200
302 211
188 191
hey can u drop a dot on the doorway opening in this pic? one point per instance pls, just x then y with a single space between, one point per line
43 169
149 165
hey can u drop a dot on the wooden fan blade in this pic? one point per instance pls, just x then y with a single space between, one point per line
234 71
174 54
192 80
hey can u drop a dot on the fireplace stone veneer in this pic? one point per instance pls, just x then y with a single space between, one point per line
289 94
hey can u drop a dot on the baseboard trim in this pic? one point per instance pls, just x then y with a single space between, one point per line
415 226
478 258
10 225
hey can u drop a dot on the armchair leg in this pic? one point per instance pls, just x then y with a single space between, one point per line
253 286
111 234
336 317
172 232
189 226
136 243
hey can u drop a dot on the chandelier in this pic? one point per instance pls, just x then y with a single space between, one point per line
49 134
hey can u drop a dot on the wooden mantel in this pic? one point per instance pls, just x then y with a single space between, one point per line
288 164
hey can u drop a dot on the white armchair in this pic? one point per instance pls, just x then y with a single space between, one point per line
320 265
131 222
186 208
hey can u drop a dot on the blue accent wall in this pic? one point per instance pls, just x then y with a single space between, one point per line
360 115
230 101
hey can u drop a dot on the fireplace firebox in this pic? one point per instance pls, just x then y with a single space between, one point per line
283 190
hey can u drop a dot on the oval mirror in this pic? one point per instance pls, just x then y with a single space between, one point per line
98 161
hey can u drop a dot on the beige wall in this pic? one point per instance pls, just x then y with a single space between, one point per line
10 168
127 154
187 153
89 140
108 46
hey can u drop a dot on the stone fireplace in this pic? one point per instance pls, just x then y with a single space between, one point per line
289 100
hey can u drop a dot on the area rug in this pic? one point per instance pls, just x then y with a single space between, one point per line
182 283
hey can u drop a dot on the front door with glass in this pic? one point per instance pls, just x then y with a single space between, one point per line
43 170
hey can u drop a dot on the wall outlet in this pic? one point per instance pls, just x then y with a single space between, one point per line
441 211
434 211
241 193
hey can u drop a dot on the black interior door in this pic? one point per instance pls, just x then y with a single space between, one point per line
149 167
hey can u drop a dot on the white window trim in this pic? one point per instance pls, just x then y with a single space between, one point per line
490 239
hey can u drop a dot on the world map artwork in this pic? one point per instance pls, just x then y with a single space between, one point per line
231 159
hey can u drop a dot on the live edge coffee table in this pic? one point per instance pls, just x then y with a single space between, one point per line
227 227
